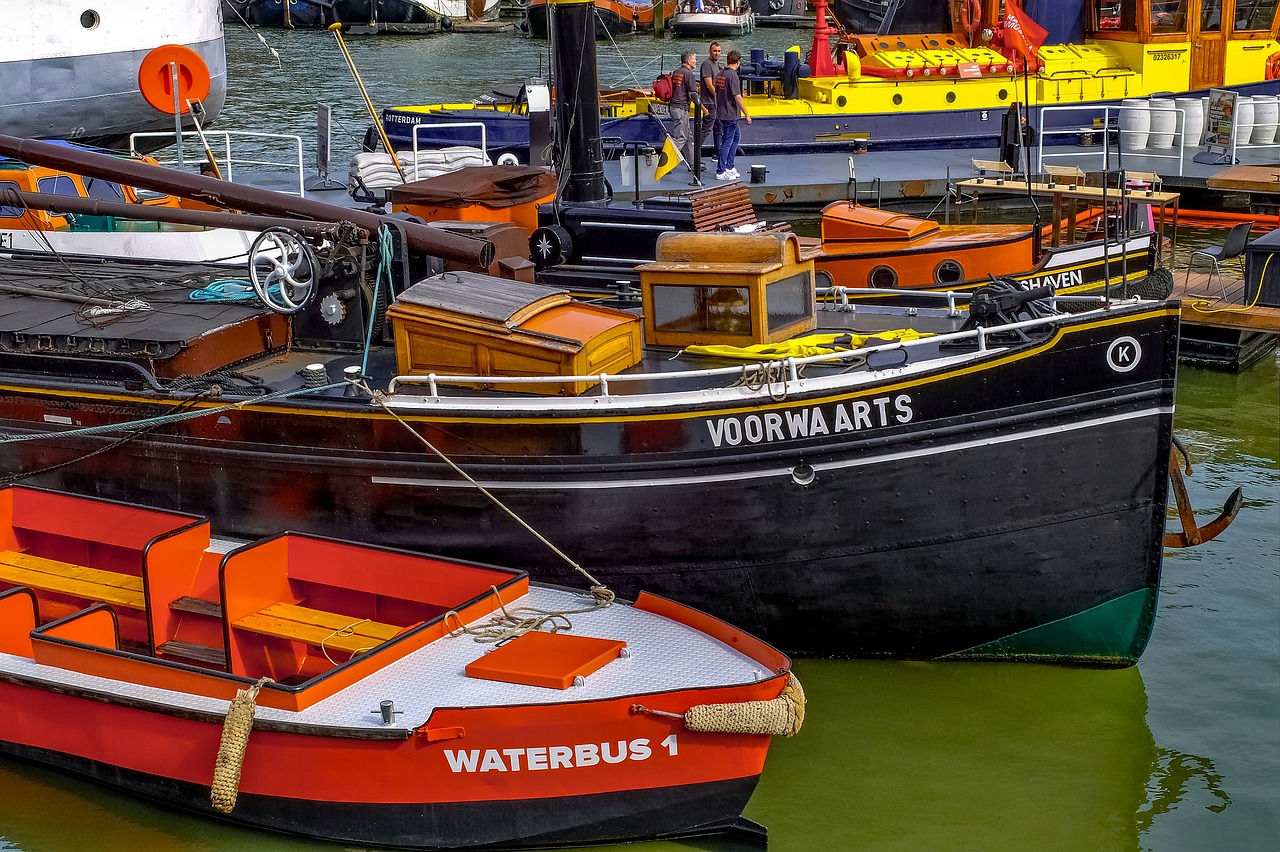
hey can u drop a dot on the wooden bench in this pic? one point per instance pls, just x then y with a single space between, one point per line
317 627
65 578
720 207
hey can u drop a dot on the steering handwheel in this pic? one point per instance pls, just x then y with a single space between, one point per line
284 270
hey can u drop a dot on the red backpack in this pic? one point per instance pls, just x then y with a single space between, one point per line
663 88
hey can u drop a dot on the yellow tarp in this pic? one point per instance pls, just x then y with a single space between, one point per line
803 347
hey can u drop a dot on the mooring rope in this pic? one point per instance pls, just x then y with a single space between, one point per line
235 739
598 589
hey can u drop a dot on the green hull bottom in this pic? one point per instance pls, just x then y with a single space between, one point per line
1110 634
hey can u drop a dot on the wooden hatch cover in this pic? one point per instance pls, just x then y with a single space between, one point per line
546 659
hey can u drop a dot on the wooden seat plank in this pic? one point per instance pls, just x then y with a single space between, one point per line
80 581
317 627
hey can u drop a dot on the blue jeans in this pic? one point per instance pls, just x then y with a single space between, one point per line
729 136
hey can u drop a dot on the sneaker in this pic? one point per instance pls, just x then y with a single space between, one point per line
724 176
733 173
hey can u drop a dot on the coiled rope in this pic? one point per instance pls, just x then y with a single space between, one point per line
598 590
510 623
235 739
781 717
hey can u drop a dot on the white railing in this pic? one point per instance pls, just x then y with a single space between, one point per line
750 372
221 144
1106 129
484 139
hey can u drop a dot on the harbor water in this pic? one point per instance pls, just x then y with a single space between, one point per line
1181 752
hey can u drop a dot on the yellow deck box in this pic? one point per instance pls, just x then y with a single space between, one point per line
464 323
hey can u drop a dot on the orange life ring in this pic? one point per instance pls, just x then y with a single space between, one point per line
1273 67
971 15
155 77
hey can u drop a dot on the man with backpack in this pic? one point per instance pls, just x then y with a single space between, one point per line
684 90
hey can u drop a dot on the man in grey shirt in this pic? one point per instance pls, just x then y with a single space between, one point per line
707 75
684 91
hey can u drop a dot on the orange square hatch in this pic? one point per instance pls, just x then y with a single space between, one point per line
546 659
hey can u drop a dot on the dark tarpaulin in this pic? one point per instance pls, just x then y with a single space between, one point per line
492 186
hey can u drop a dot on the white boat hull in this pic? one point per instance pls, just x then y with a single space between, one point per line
713 23
67 74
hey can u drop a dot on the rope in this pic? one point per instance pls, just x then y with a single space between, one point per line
167 419
598 589
231 291
763 376
342 633
385 260
235 739
511 623
781 717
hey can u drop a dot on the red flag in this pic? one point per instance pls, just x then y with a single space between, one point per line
1020 32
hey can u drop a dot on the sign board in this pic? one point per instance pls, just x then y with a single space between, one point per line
324 121
1220 123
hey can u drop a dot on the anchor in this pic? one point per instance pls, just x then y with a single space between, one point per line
1192 533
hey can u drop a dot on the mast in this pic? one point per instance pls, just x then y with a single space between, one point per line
577 107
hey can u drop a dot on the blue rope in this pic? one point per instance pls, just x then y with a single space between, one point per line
233 291
165 420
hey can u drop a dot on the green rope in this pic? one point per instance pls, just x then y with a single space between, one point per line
165 420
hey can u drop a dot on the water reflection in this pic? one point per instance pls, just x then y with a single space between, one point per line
941 756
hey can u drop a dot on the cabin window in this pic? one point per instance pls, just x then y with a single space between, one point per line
103 190
58 185
948 272
1255 15
1211 16
1170 16
789 301
725 310
7 212
1115 15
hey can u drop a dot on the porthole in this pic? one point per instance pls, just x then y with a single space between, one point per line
841 100
951 97
1003 94
933 42
89 19
897 100
883 277
803 474
902 45
948 272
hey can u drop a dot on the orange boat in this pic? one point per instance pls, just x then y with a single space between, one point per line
867 247
355 693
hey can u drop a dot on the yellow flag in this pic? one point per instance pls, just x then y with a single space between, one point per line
668 159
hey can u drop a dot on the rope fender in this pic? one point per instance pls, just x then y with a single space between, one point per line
781 717
235 738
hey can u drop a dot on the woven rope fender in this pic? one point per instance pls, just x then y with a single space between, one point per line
235 738
781 717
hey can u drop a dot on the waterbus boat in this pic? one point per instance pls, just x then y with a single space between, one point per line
944 89
696 18
269 684
612 17
91 73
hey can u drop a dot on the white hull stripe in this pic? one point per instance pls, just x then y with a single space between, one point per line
737 476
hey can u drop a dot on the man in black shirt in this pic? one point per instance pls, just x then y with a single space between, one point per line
728 106
684 91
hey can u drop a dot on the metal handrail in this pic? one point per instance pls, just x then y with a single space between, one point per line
434 380
484 139
226 137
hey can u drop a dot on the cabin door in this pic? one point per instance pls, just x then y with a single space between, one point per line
1208 53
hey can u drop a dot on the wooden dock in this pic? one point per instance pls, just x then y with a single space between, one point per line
1222 302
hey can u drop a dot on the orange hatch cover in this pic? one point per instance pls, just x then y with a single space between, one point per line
846 221
546 659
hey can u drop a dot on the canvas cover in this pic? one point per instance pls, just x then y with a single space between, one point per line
492 186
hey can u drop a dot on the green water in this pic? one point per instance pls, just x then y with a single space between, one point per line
1180 753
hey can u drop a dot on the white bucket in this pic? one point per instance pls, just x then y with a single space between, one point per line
1164 122
1266 115
1244 120
1192 120
1134 124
